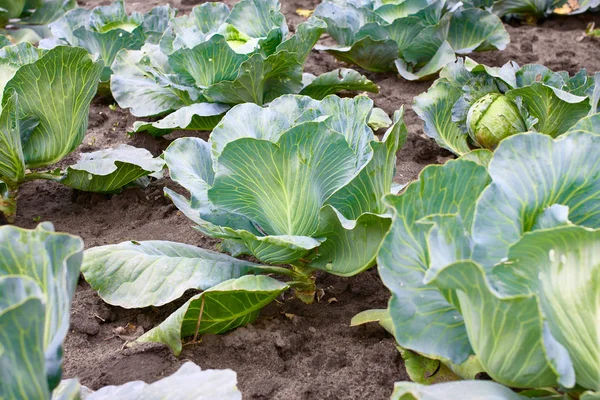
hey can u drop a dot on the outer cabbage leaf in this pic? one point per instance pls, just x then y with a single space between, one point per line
69 92
417 37
561 267
140 274
22 314
51 261
188 383
226 306
426 319
107 171
467 390
555 171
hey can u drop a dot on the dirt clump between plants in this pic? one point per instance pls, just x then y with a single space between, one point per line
294 350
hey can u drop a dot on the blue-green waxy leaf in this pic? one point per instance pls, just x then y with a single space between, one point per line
426 319
266 182
51 261
435 108
70 92
22 314
110 170
139 82
556 171
260 81
226 306
355 220
555 109
207 63
336 81
467 390
198 117
12 163
140 274
188 383
561 267
503 332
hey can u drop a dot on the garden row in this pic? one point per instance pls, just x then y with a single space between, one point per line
491 259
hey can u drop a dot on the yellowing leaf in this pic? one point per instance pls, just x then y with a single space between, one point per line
304 13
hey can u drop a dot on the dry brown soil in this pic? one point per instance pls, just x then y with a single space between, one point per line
293 351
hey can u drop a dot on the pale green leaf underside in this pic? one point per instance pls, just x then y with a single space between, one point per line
109 170
140 274
188 383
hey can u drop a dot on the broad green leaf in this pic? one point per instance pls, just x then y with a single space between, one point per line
351 245
140 274
66 79
443 56
506 334
425 370
190 30
52 261
135 87
554 171
561 267
435 108
426 319
589 124
555 109
108 44
110 170
260 80
22 313
197 117
475 29
10 9
336 81
372 55
257 18
467 390
480 156
226 306
366 191
350 223
531 8
207 63
12 164
306 36
282 186
188 383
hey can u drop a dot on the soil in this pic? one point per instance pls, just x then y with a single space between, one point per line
294 350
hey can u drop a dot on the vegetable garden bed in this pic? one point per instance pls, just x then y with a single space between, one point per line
294 350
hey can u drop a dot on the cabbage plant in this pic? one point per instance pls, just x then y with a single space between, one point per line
215 58
26 20
415 37
44 117
105 30
39 270
298 185
472 105
492 261
531 11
